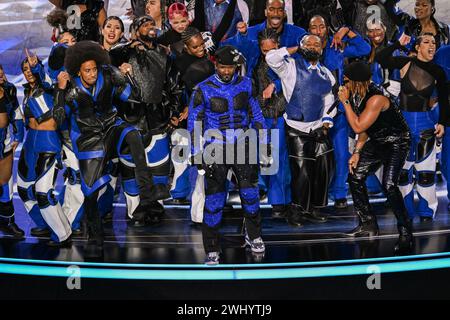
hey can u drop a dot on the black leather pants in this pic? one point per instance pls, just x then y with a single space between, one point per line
392 156
312 164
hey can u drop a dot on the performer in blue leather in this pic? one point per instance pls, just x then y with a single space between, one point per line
71 197
97 134
225 102
246 40
41 150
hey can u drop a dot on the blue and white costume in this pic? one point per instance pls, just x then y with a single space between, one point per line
38 160
417 88
71 196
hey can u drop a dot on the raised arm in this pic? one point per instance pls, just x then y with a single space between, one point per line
126 89
370 114
278 60
356 46
386 59
399 17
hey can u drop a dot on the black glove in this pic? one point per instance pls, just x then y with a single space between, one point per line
58 112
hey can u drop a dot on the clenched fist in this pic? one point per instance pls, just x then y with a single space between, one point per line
241 27
126 68
63 79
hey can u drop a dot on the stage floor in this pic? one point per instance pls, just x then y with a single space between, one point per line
177 241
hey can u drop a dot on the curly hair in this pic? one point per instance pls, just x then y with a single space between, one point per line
84 51
57 18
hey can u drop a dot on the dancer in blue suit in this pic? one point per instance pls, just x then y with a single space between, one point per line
38 160
225 102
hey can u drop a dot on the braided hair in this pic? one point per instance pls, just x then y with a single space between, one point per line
268 34
189 33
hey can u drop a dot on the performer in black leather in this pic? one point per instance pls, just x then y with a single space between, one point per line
374 116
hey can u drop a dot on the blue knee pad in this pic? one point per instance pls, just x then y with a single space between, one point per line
250 200
45 200
6 205
214 208
159 160
130 187
35 212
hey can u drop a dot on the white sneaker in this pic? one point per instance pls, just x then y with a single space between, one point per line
212 258
256 245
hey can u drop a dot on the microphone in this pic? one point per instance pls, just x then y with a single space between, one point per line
131 79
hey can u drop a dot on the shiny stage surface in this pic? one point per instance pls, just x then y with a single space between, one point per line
176 241
166 261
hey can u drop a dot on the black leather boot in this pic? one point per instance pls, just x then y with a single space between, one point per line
156 213
294 217
278 211
63 244
108 217
340 203
10 228
40 232
405 243
367 227
94 247
315 216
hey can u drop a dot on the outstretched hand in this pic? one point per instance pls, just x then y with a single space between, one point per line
337 42
32 58
404 39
